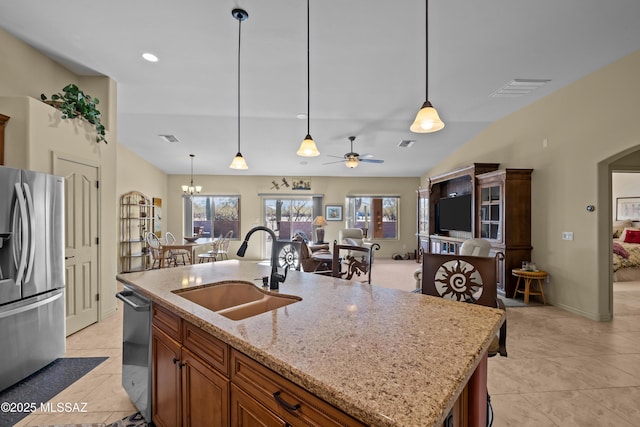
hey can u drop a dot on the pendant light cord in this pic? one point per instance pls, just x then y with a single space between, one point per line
239 36
426 53
308 76
191 155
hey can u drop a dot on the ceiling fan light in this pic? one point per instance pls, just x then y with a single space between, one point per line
351 163
308 148
239 162
427 120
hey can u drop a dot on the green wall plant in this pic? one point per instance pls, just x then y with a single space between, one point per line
73 103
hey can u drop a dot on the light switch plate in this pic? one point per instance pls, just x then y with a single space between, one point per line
567 235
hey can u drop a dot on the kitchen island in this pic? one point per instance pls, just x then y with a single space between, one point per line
384 357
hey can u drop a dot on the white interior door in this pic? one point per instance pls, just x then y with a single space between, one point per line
81 245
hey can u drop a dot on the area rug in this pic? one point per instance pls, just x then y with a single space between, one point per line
44 384
135 420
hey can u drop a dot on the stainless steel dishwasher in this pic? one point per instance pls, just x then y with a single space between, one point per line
136 350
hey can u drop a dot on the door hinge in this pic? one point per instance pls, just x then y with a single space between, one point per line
97 240
97 297
97 184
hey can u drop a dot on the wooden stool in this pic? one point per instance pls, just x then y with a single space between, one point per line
528 276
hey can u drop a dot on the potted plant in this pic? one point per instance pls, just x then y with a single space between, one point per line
73 102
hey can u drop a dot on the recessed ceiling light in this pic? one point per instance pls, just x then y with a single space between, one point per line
150 57
301 116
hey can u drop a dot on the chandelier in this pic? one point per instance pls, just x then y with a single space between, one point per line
190 190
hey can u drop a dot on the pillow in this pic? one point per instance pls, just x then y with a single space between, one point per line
632 236
350 241
618 227
624 232
618 249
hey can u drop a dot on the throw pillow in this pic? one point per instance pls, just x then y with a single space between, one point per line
618 249
619 226
623 235
632 236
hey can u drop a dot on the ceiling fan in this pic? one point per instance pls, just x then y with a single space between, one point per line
351 159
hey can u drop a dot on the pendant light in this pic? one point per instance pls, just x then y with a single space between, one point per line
238 161
308 146
427 119
190 190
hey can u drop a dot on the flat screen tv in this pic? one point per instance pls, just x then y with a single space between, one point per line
454 213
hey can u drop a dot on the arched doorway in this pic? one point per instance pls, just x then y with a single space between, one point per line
625 161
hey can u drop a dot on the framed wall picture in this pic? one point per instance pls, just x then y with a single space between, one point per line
333 212
628 208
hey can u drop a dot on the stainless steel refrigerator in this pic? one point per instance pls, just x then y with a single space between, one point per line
32 302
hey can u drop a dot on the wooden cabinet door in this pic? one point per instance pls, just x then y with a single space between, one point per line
165 392
248 412
205 393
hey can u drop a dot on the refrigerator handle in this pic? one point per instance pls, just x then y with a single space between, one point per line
21 206
31 229
31 306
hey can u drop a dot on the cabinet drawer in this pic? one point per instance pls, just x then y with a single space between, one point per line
208 347
276 393
167 322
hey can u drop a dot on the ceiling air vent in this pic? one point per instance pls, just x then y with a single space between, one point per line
169 138
406 143
519 87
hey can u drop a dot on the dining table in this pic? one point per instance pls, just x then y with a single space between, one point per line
188 246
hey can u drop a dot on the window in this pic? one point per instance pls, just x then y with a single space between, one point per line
286 216
376 215
212 216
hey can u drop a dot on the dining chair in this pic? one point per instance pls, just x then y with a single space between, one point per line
212 254
183 254
159 257
223 247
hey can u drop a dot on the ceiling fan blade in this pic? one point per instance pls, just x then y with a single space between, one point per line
371 160
366 156
337 157
330 163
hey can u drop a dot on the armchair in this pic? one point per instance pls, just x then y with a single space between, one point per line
353 237
308 263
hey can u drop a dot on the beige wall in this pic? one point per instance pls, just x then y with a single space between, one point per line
136 174
587 125
333 189
35 131
24 71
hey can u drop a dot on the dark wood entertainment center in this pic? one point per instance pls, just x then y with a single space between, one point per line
500 213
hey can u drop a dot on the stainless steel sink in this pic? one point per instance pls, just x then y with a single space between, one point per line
236 300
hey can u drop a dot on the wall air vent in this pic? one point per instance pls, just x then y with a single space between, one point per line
406 143
519 87
169 138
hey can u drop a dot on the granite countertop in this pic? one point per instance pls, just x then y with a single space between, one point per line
384 356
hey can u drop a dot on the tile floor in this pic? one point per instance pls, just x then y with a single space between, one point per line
562 370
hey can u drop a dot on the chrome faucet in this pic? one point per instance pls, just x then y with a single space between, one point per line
276 278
